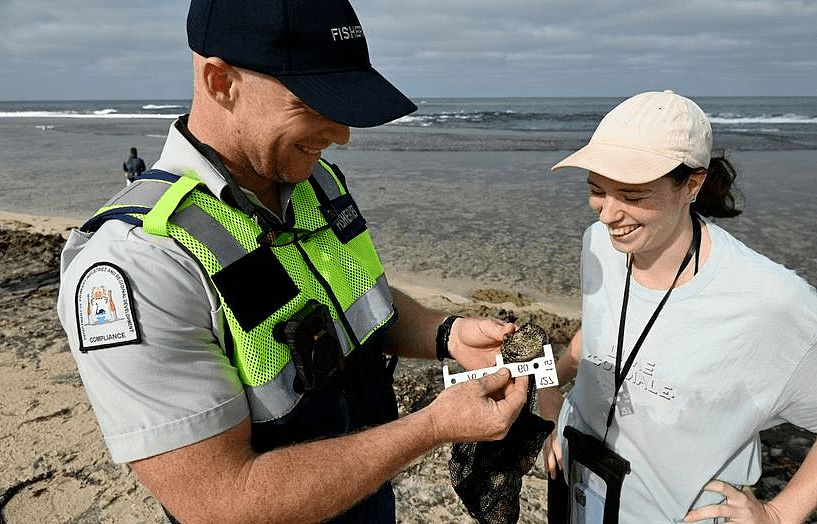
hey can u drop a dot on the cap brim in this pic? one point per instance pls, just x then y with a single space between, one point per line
621 164
359 98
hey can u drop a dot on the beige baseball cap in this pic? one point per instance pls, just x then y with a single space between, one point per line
645 137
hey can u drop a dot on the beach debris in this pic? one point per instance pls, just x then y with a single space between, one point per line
7 494
498 296
487 476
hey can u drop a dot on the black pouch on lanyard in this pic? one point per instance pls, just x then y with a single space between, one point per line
594 476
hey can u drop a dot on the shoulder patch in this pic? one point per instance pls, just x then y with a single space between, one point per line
105 309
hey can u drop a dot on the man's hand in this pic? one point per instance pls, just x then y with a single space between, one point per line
212 469
740 506
475 342
478 410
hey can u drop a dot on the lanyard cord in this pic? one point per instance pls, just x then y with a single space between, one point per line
621 374
265 218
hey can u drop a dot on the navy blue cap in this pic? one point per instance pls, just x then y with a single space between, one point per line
316 49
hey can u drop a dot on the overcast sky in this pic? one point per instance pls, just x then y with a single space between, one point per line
137 49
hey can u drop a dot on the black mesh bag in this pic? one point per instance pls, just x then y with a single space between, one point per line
487 476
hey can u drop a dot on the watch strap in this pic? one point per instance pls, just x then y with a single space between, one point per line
443 334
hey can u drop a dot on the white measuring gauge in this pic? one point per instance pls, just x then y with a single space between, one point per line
542 368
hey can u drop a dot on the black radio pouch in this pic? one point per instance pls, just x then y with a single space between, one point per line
315 347
594 475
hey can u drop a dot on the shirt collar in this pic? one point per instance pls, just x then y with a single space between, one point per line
183 151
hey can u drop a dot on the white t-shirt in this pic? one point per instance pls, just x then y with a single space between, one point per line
734 351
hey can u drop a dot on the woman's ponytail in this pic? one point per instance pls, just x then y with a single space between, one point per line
718 196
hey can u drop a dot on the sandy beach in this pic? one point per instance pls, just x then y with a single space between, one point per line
56 469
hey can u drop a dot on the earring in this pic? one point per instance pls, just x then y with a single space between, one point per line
693 198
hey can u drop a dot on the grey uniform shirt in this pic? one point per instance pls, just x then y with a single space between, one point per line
167 383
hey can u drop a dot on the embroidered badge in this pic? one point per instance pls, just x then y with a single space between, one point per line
105 309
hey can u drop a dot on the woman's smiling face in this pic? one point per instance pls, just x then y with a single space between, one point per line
642 219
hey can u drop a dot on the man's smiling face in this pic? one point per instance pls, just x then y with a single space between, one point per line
276 137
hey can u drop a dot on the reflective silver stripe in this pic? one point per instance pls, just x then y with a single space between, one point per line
327 182
274 399
199 224
143 193
277 397
371 309
346 347
209 231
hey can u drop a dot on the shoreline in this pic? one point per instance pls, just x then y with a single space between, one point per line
47 225
439 292
494 217
416 285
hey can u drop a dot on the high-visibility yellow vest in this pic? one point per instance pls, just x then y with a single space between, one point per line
261 285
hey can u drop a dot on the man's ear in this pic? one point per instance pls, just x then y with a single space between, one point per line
218 78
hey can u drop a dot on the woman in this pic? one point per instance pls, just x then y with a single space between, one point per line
716 341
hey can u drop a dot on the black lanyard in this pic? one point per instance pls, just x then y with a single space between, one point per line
621 374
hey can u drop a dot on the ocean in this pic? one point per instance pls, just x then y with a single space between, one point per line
756 123
461 189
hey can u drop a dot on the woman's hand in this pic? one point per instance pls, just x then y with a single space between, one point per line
550 403
552 453
740 506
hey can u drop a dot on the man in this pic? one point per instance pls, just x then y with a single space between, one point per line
243 375
133 166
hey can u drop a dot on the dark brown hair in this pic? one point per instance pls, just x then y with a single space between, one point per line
717 198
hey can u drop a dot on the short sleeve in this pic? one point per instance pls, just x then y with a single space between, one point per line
798 403
172 387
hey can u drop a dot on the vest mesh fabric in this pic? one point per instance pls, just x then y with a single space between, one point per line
323 248
259 357
352 270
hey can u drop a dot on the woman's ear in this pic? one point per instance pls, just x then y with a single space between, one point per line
695 182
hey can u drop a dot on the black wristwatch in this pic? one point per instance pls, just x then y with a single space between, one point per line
443 332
